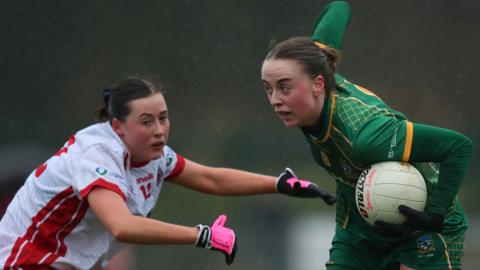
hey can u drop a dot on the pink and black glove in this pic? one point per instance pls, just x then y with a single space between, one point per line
218 237
289 184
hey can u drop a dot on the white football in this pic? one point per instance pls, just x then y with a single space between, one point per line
383 186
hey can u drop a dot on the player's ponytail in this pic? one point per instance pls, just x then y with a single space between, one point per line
115 98
102 112
332 55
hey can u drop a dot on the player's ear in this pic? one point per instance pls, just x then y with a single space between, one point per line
318 85
117 127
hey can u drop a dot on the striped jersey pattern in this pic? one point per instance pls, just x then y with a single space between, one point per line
49 222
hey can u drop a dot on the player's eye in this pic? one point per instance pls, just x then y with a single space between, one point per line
285 88
163 118
147 123
268 89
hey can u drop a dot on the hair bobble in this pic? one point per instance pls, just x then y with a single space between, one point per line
107 93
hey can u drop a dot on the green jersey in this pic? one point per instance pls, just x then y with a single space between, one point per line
356 129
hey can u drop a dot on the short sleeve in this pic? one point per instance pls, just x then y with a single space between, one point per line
175 163
100 166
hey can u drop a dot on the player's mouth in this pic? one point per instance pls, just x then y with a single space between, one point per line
158 145
284 114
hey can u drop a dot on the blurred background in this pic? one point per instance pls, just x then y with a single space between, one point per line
57 56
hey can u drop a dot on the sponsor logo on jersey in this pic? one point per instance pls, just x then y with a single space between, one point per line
145 179
100 170
116 175
393 143
425 246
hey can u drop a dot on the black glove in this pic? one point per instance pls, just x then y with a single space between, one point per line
289 184
416 222
218 237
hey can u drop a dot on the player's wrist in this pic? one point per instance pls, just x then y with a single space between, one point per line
203 236
281 185
275 186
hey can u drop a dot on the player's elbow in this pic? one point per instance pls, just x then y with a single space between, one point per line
470 145
120 234
465 146
120 231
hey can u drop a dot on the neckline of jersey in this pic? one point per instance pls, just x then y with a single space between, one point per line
319 132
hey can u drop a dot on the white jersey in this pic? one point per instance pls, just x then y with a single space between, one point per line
49 221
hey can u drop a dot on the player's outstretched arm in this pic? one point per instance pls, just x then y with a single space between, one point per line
231 182
331 24
125 227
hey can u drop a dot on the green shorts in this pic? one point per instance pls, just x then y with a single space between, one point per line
428 251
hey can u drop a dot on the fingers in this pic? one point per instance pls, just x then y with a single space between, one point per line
407 211
217 237
422 220
220 221
230 258
327 197
412 215
296 186
289 184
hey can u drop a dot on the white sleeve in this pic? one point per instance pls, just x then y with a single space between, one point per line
100 167
175 163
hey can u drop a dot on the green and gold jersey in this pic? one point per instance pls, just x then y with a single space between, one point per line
356 129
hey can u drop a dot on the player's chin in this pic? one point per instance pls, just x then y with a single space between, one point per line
156 153
290 123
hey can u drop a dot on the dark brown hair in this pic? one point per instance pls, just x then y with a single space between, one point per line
116 97
314 60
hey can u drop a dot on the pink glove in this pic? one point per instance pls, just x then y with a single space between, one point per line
288 183
218 237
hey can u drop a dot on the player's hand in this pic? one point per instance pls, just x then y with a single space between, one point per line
218 237
416 222
289 184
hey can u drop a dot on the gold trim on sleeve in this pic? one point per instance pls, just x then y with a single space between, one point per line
408 142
